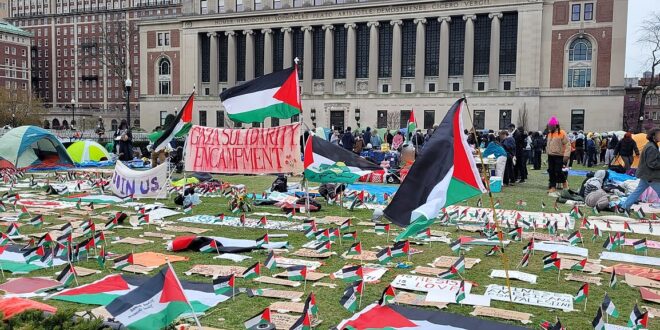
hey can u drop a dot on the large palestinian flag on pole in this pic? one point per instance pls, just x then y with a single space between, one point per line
101 292
443 175
329 163
273 95
393 317
178 127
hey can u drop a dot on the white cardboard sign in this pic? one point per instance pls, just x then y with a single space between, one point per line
531 297
625 257
526 277
561 248
426 284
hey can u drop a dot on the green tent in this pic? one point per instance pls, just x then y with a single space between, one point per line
31 146
87 151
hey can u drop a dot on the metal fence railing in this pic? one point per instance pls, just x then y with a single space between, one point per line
90 134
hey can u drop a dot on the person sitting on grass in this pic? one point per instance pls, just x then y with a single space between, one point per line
648 170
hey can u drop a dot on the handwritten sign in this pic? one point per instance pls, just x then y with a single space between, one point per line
244 151
215 270
504 314
583 278
408 298
447 261
634 281
531 297
424 283
650 273
127 182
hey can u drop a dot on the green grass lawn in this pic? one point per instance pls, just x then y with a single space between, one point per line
232 314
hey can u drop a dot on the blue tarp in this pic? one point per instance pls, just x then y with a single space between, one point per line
375 189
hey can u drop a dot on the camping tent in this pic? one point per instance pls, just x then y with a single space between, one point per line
87 151
31 146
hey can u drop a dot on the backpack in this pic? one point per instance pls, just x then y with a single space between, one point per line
280 184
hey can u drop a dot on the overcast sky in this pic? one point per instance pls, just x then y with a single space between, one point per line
636 57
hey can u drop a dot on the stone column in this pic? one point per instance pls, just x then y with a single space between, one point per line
420 54
213 63
249 54
231 58
328 63
288 48
396 56
268 50
468 58
443 64
494 63
307 61
350 57
373 56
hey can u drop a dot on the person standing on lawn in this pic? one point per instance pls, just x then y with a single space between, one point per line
538 144
558 148
625 148
648 170
611 145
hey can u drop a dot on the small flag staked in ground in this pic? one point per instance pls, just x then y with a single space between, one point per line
598 323
460 294
613 279
222 285
67 275
388 296
261 318
270 262
638 319
582 293
640 246
253 272
124 261
608 307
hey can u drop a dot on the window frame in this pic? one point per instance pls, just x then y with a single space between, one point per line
577 126
504 120
479 119
576 16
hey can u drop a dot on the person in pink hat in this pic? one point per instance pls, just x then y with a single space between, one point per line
558 149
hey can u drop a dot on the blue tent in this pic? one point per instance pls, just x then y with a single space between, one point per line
31 146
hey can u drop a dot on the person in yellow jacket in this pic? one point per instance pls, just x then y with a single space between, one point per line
558 148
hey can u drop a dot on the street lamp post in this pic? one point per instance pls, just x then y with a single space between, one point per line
128 84
73 109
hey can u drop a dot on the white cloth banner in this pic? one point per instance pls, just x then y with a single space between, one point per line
631 258
150 183
531 297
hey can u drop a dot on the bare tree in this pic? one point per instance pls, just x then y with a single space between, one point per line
393 120
113 48
19 108
650 39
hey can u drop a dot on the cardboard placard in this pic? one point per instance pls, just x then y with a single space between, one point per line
637 281
653 312
538 236
157 235
215 270
531 297
82 271
372 273
364 256
311 276
583 278
431 271
283 321
448 261
413 299
184 229
561 248
283 262
650 273
588 268
652 295
424 283
149 183
283 294
327 285
309 253
631 258
504 314
132 241
525 277
137 269
332 220
287 307
278 281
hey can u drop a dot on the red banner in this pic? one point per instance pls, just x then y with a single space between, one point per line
244 151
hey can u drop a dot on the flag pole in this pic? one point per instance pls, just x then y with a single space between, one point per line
73 270
486 173
199 325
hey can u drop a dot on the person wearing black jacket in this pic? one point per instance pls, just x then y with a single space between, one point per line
611 145
520 169
538 144
347 140
625 148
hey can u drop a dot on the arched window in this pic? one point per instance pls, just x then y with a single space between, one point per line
46 124
56 124
164 76
579 63
114 124
65 124
136 123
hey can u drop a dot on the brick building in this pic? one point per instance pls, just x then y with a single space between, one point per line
364 62
632 102
82 52
14 57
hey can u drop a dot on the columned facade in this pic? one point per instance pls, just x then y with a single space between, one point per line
372 63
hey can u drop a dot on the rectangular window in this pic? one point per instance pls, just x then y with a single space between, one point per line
429 118
318 52
455 87
258 54
240 57
221 6
205 50
362 51
577 120
258 5
274 122
481 86
219 119
575 12
403 119
278 50
163 115
588 11
456 46
164 87
507 86
299 48
505 119
339 52
385 50
409 33
579 78
432 51
222 40
381 121
239 5
508 43
202 117
277 4
479 119
481 45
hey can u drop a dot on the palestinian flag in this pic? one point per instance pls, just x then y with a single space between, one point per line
4 239
554 263
303 323
609 243
37 221
355 249
187 209
598 323
515 233
638 319
640 213
100 292
401 249
34 253
67 275
494 250
333 234
161 298
585 223
212 247
100 259
143 219
640 246
350 236
307 224
322 235
582 293
310 305
424 234
124 261
353 273
382 228
575 213
273 95
350 300
447 165
253 272
67 228
346 225
270 262
412 124
388 296
24 212
597 233
323 247
263 221
525 260
626 226
613 279
262 241
111 224
297 273
178 127
223 285
384 255
580 265
458 266
456 246
608 307
575 238
460 294
329 163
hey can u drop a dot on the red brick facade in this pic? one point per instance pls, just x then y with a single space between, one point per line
15 61
152 73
